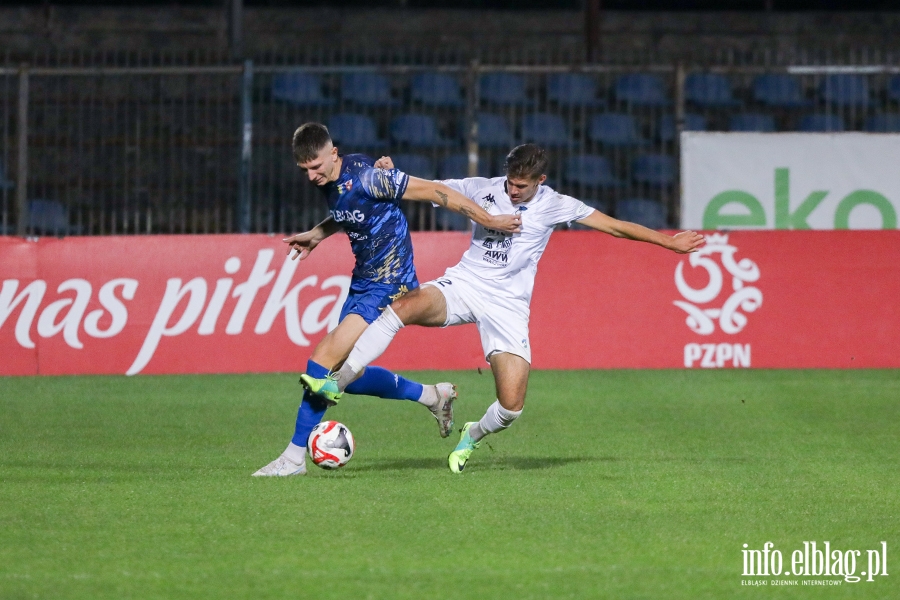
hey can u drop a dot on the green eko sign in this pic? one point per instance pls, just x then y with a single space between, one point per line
784 218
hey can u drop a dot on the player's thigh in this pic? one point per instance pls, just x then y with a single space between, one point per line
511 378
335 347
424 305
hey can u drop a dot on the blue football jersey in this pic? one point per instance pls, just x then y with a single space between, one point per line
365 202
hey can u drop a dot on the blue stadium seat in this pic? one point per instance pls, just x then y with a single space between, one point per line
653 169
709 89
615 129
493 130
456 166
545 129
648 213
415 165
752 122
893 88
884 123
297 87
416 130
779 90
436 89
821 122
641 89
591 170
843 89
48 217
692 122
367 89
354 131
573 89
504 88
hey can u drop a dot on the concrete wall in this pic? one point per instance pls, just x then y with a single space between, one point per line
557 34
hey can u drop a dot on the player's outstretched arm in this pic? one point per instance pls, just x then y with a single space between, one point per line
304 243
434 191
682 243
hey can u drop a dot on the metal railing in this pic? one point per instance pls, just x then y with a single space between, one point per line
206 149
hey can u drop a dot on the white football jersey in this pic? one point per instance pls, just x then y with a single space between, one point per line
507 263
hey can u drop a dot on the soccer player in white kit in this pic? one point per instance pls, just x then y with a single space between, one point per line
492 285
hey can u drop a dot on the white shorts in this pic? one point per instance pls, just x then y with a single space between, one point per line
502 323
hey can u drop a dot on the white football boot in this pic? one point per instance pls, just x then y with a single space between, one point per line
282 467
443 408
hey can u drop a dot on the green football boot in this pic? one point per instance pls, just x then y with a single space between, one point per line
463 449
324 388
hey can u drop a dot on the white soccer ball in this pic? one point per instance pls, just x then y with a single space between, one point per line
330 445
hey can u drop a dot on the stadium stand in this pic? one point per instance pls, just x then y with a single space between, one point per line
590 170
436 89
573 89
692 122
843 89
504 89
641 89
654 169
355 131
367 89
752 122
884 123
456 166
416 130
646 212
545 128
821 123
299 88
615 129
779 90
493 130
415 165
709 90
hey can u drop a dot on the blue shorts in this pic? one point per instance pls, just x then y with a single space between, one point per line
368 299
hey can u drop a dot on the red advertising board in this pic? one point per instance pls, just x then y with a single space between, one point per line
232 303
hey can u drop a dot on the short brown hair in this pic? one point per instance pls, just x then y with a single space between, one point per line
308 140
528 161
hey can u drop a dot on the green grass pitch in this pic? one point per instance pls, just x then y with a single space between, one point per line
613 484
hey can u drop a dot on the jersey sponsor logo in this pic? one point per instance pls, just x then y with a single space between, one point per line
713 307
348 216
496 257
345 187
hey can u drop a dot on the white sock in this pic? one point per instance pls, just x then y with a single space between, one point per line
370 345
296 454
495 419
429 396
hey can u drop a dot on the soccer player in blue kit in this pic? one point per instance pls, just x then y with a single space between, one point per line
365 202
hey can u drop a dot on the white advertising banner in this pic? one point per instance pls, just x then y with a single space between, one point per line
790 180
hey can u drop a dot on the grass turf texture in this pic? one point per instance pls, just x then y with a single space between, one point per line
613 484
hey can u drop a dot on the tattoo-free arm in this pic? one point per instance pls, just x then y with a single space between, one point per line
304 243
682 243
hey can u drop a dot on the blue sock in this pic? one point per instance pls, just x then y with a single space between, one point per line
311 410
379 382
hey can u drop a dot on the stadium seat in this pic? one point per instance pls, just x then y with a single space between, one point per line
590 170
573 89
893 88
456 166
779 90
504 88
493 130
653 169
615 129
299 88
692 122
354 131
844 89
48 217
752 122
415 165
416 130
640 89
436 89
884 123
709 89
642 211
367 89
821 122
545 129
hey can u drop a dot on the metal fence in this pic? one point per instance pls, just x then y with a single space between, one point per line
206 149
